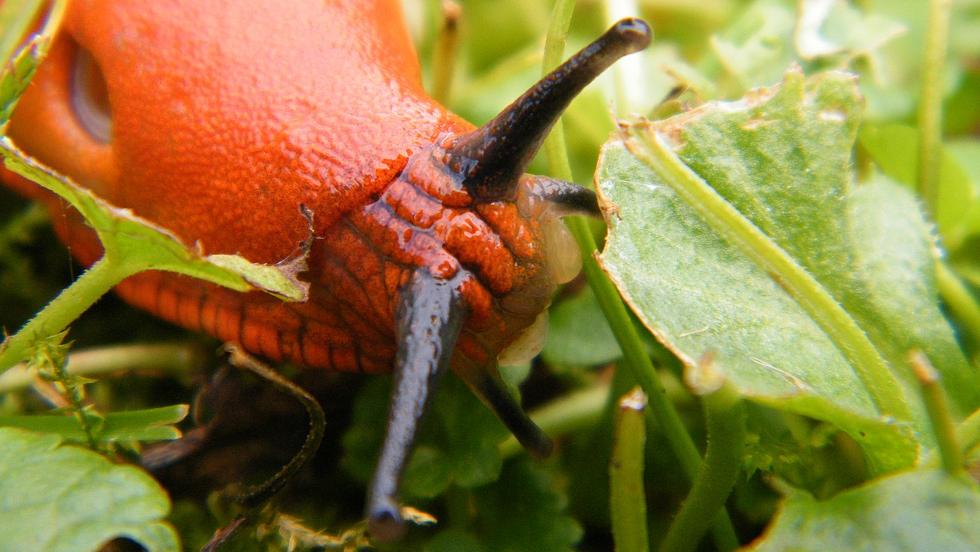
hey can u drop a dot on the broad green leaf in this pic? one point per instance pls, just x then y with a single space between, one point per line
895 277
62 498
782 159
153 424
578 334
894 149
918 510
524 511
838 29
758 46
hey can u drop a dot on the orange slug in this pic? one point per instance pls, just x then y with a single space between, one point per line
242 125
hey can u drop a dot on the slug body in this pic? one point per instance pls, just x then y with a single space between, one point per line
249 127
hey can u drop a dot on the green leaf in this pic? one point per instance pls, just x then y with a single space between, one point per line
578 334
62 498
152 424
894 148
16 73
142 245
781 158
523 511
838 29
919 510
758 46
453 540
895 276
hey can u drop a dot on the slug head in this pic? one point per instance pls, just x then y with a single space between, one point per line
497 229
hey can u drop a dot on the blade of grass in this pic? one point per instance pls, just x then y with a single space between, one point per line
635 357
931 101
627 499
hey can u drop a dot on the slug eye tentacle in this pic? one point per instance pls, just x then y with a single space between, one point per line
492 158
430 317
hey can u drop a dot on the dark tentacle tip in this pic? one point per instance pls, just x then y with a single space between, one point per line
385 522
542 448
634 32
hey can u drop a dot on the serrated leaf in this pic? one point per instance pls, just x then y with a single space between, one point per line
919 510
152 424
143 244
894 148
63 498
523 511
782 159
16 73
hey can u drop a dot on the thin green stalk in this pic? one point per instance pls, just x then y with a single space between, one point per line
931 101
170 357
70 388
725 417
444 52
634 354
62 310
938 409
960 301
868 363
968 432
627 499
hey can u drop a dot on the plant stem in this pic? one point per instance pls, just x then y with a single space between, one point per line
968 432
634 354
62 310
444 52
938 410
170 357
627 499
931 102
724 219
960 301
725 417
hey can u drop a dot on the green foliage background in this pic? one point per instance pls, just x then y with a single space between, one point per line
764 236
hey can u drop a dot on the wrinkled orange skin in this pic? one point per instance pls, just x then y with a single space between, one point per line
228 115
